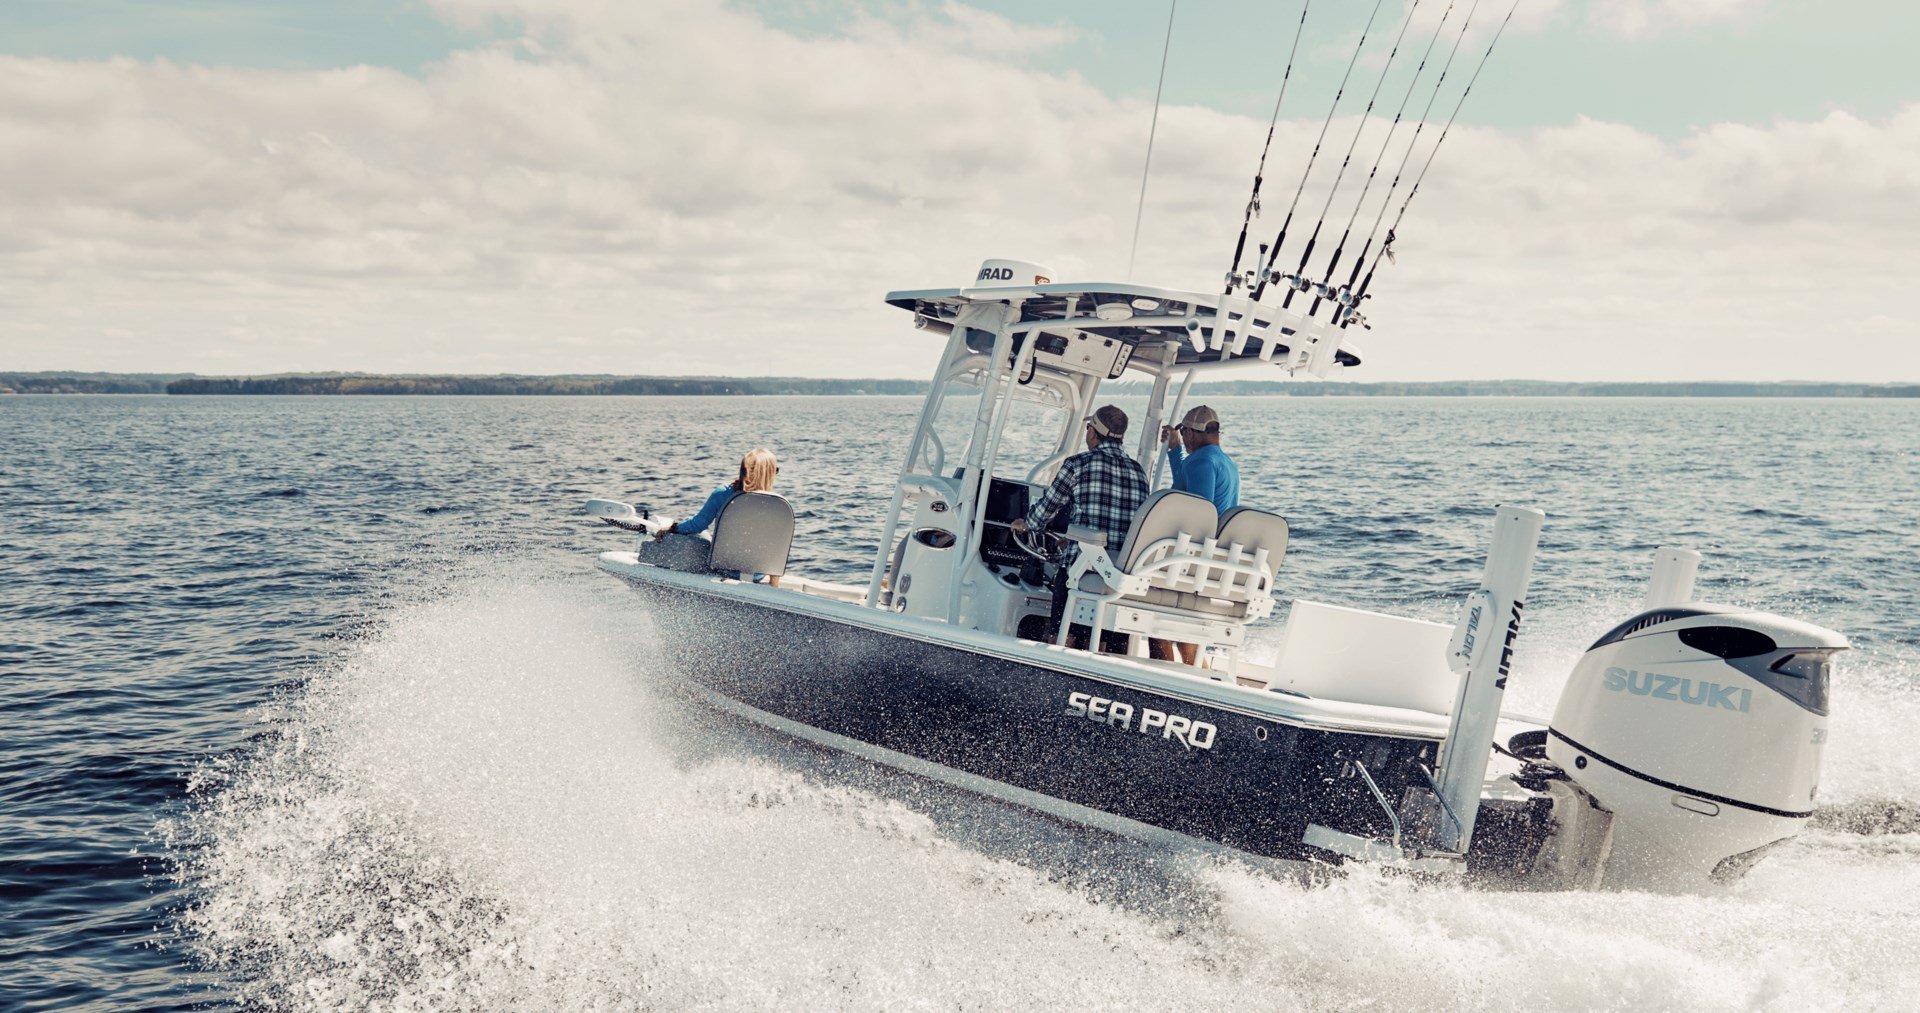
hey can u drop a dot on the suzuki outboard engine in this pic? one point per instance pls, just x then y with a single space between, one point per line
1700 728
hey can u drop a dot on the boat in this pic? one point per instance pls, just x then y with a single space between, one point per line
1685 745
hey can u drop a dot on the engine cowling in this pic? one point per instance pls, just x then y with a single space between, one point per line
1700 727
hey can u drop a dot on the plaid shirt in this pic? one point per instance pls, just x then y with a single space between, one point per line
1100 489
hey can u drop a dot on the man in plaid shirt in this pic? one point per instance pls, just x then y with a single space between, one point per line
1100 489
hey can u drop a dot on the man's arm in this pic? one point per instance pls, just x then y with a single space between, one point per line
1200 481
1054 500
1176 459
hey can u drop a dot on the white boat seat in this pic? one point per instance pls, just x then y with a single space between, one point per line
754 535
1176 578
1165 514
1255 529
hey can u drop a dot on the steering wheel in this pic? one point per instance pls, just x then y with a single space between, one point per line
1019 538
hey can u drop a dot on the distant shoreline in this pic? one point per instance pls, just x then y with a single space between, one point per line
349 384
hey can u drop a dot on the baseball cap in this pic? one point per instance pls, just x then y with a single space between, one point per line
1109 421
1201 419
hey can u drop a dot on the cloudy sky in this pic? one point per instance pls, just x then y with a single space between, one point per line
1637 189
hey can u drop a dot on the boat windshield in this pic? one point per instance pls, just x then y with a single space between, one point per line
1036 423
1032 437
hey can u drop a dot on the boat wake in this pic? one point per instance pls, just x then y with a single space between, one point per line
490 801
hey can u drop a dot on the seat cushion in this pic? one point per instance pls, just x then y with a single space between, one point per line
1092 584
1256 529
1184 601
754 534
1166 514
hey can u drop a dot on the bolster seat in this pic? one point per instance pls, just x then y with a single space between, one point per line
1165 514
1184 573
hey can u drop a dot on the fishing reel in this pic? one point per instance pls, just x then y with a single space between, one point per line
1347 307
1299 283
1240 279
1347 297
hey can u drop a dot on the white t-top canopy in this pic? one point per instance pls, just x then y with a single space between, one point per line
1207 329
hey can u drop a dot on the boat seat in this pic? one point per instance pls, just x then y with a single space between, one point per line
753 535
1177 578
1160 517
1247 527
1165 514
1255 529
1184 573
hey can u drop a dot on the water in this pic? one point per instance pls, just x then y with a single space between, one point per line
318 703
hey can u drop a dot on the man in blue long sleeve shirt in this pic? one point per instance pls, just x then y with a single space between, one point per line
1204 469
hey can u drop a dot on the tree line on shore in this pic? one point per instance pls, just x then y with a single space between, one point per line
537 385
656 386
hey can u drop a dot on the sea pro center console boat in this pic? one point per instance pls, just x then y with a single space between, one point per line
1686 743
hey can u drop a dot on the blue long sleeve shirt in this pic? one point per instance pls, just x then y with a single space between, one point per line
1208 473
709 513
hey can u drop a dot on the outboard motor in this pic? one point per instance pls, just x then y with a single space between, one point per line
1699 727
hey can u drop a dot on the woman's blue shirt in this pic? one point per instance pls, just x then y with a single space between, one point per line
709 513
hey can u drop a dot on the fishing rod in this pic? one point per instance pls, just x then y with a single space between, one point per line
1253 203
1386 247
1298 282
1322 291
1347 302
1266 267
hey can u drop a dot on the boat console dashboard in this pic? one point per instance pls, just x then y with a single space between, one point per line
1008 501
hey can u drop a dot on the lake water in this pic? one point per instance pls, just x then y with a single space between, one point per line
319 703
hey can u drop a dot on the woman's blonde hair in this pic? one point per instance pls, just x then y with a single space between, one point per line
757 470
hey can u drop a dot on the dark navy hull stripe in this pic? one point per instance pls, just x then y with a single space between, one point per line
1681 788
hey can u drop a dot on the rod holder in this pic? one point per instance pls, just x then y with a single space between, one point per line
1673 574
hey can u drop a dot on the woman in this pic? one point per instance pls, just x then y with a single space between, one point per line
757 470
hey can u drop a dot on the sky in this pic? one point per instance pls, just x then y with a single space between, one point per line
1634 189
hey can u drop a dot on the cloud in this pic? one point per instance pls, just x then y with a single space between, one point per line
1632 19
685 189
1643 18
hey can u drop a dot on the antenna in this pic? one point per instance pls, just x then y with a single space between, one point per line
1152 128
